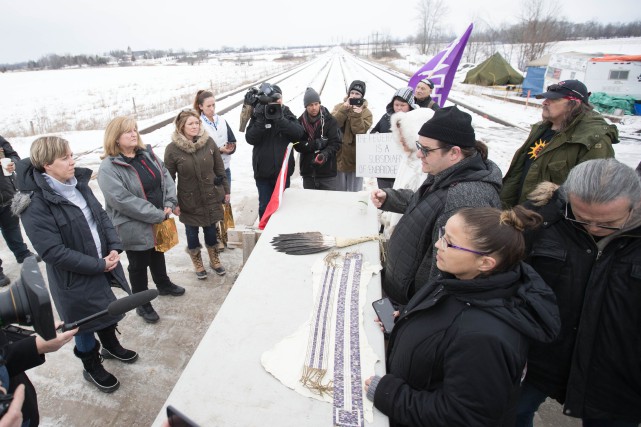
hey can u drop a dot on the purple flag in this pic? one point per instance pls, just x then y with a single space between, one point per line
442 67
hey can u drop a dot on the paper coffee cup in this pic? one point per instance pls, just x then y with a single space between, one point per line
5 162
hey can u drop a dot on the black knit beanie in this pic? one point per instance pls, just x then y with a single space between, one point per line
450 126
358 86
310 97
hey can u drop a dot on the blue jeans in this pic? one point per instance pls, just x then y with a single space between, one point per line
85 341
192 236
265 189
530 400
228 173
10 227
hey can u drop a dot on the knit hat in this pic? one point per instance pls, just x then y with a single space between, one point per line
310 97
357 85
427 82
450 126
405 94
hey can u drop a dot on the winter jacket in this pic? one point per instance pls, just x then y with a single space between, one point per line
61 235
18 357
350 124
7 183
587 137
326 129
594 366
202 183
126 203
427 103
410 262
457 351
270 139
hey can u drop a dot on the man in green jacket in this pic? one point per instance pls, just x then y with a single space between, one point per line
570 133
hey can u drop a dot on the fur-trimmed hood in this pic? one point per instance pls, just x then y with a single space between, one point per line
186 145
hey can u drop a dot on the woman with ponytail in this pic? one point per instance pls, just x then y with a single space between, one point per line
456 355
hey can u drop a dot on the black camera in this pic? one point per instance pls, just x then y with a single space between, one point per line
265 94
356 101
27 302
273 111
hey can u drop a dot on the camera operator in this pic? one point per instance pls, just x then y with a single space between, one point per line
319 145
353 118
271 128
19 355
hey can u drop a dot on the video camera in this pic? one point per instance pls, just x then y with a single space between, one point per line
266 96
27 302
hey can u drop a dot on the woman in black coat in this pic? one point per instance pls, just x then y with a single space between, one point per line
74 236
457 352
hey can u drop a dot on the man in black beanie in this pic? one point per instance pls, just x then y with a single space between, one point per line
319 144
353 117
460 176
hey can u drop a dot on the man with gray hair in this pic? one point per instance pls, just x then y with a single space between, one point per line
589 252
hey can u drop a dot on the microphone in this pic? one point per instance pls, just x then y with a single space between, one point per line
116 308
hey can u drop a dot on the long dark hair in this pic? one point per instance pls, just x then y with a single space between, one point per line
500 233
201 95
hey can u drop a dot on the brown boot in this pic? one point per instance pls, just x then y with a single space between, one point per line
197 259
214 260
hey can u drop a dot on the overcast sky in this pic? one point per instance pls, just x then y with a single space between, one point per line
33 28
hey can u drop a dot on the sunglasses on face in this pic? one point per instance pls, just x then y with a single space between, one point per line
426 151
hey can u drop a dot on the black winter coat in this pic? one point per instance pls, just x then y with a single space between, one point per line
594 367
384 125
20 356
7 183
270 143
328 128
425 103
410 263
61 235
457 352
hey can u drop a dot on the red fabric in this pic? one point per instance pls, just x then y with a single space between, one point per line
277 195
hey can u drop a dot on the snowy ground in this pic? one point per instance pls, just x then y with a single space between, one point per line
153 86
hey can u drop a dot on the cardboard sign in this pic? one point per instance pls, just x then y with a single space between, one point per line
377 155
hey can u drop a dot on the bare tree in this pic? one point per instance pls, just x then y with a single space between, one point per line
538 29
430 16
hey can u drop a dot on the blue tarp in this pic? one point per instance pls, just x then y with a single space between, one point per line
534 81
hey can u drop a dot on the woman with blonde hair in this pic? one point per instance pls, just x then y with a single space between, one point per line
78 242
194 158
139 192
457 352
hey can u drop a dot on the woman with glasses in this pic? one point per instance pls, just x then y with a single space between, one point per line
457 353
194 158
138 194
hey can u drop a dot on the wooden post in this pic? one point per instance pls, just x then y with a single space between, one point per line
249 241
134 102
527 99
33 130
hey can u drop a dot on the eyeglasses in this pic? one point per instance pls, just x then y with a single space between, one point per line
426 151
445 244
559 88
591 224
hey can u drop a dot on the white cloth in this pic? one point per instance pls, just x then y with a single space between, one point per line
217 129
287 359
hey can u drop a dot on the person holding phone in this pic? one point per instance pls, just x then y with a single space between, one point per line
353 117
457 353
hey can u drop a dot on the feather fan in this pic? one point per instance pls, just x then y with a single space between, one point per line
313 241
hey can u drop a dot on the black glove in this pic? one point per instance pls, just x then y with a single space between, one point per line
218 180
320 159
259 113
320 144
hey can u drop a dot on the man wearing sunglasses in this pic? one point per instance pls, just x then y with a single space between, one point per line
460 175
570 133
589 252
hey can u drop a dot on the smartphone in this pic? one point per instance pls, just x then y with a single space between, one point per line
178 419
356 101
385 311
